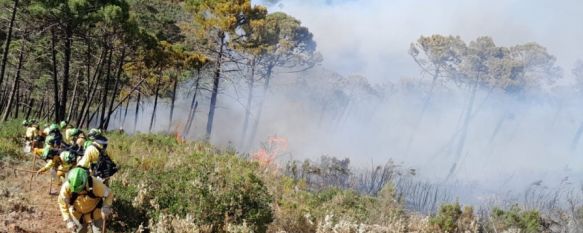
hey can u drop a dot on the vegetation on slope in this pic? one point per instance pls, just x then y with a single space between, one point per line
170 186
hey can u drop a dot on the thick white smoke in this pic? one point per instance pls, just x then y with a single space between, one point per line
512 141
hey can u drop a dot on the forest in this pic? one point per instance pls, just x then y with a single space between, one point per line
237 84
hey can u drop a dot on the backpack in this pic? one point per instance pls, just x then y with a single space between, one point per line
90 193
105 167
57 135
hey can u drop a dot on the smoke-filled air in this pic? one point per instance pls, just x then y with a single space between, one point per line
342 115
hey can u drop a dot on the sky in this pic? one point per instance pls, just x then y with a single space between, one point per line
371 37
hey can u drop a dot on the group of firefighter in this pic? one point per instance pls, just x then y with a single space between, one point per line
82 167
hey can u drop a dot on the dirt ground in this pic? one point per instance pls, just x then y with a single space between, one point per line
26 206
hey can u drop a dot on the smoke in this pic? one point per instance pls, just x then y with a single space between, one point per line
512 141
371 37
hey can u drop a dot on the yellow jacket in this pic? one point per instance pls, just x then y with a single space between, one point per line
57 162
90 156
84 206
31 133
38 152
68 137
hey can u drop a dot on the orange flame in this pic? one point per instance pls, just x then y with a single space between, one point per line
273 148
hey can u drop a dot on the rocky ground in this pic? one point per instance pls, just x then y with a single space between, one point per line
25 205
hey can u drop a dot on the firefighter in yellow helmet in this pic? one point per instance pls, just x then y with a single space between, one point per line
84 202
61 163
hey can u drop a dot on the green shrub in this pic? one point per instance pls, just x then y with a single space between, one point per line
12 134
447 218
527 221
214 189
451 218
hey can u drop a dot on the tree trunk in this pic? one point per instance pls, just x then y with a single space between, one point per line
14 91
66 65
577 137
55 75
41 108
137 110
423 110
88 80
17 103
30 105
92 84
464 133
73 98
116 86
175 86
251 84
105 91
215 92
155 103
498 127
261 103
8 41
125 114
193 106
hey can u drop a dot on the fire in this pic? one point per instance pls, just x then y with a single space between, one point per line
179 138
271 150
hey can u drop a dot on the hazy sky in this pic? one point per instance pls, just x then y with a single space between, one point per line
371 37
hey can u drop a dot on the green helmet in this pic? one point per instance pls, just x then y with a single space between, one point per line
94 133
87 144
64 124
48 153
54 127
50 140
75 132
68 157
77 179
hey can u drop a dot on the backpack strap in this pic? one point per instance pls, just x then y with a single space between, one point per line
90 193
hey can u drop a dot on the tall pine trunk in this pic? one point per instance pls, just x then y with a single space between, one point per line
73 98
105 91
14 90
92 84
215 91
174 87
125 114
423 110
251 85
66 71
116 86
55 75
577 137
30 106
17 100
193 106
460 146
7 43
261 104
155 103
137 110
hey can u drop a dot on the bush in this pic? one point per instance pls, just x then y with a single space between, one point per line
451 219
516 218
12 134
215 190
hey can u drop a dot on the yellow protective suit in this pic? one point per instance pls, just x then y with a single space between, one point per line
90 156
31 133
85 208
58 163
